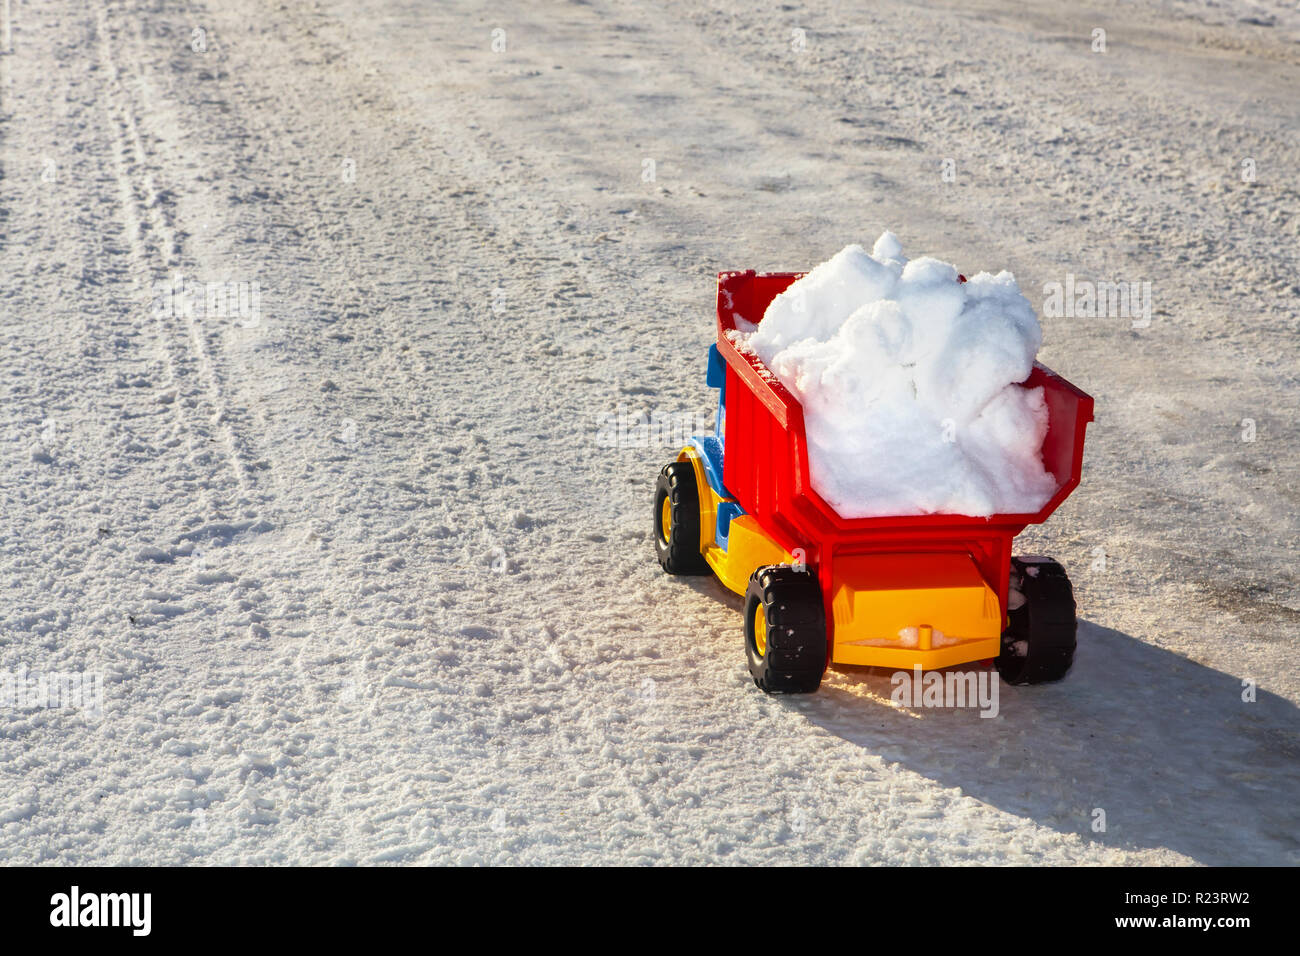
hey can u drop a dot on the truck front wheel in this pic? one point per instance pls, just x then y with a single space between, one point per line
677 520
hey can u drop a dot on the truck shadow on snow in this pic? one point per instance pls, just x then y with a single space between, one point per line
1165 746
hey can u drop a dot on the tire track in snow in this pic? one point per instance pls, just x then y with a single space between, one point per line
466 226
144 210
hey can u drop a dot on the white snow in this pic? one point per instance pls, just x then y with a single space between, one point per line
908 381
909 637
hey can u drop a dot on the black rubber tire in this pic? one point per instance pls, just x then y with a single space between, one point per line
678 551
791 602
1044 627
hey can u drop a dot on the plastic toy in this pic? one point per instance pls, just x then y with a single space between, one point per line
899 592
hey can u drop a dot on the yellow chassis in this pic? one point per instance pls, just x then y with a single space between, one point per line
887 610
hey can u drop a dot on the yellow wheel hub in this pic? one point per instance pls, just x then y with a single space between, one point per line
760 631
666 518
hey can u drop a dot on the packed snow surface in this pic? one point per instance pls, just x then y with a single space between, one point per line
908 379
361 583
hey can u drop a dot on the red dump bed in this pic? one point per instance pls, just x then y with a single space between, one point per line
765 464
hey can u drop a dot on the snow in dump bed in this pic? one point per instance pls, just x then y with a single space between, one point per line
908 381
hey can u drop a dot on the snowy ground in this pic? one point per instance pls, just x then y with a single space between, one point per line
362 585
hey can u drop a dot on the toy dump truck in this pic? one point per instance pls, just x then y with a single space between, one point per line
932 590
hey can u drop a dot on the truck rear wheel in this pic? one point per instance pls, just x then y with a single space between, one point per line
1039 642
677 520
785 630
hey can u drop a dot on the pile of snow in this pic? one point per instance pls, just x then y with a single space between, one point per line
907 378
